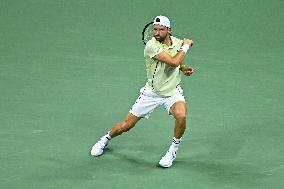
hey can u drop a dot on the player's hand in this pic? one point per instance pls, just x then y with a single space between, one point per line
187 70
188 41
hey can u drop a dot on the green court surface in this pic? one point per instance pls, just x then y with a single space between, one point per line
69 69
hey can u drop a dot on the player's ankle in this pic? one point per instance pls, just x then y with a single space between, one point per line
106 138
175 143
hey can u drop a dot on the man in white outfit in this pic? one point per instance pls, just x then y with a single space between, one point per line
164 55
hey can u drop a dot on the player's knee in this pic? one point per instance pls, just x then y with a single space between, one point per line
181 123
180 117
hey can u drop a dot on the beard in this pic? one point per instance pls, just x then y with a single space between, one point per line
160 38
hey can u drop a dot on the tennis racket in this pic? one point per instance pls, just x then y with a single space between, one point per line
147 32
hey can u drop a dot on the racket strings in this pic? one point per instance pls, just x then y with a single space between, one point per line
147 33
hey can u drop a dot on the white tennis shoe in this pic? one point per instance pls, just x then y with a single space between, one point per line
98 148
168 159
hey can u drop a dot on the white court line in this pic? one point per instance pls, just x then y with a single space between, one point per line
36 131
274 169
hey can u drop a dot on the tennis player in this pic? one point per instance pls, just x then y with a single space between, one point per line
164 55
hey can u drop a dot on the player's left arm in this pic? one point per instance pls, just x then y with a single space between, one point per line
185 69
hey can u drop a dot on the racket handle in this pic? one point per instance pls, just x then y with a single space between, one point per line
188 41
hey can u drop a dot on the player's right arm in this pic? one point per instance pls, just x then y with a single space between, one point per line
176 60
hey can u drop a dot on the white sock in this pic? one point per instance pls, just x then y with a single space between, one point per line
175 144
106 138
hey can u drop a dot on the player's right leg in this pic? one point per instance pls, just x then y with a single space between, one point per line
124 126
143 107
117 129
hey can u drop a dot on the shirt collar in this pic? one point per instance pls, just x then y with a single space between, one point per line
169 47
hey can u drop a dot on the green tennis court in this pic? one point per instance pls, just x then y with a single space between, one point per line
69 69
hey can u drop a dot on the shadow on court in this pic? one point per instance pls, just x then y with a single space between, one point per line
225 172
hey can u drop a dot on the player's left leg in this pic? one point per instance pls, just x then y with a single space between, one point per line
178 110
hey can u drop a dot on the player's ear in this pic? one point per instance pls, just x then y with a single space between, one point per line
170 30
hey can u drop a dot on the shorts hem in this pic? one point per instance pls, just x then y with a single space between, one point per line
130 111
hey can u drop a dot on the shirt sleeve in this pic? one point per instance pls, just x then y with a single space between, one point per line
152 49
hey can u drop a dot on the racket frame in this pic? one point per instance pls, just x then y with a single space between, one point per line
144 30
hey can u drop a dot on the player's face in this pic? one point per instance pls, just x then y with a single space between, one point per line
160 32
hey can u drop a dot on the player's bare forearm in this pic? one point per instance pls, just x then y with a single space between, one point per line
178 59
174 61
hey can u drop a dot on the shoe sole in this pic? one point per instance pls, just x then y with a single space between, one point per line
165 166
96 155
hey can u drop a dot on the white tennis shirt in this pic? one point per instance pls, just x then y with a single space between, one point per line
162 78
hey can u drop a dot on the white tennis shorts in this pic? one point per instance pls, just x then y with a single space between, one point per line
148 101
